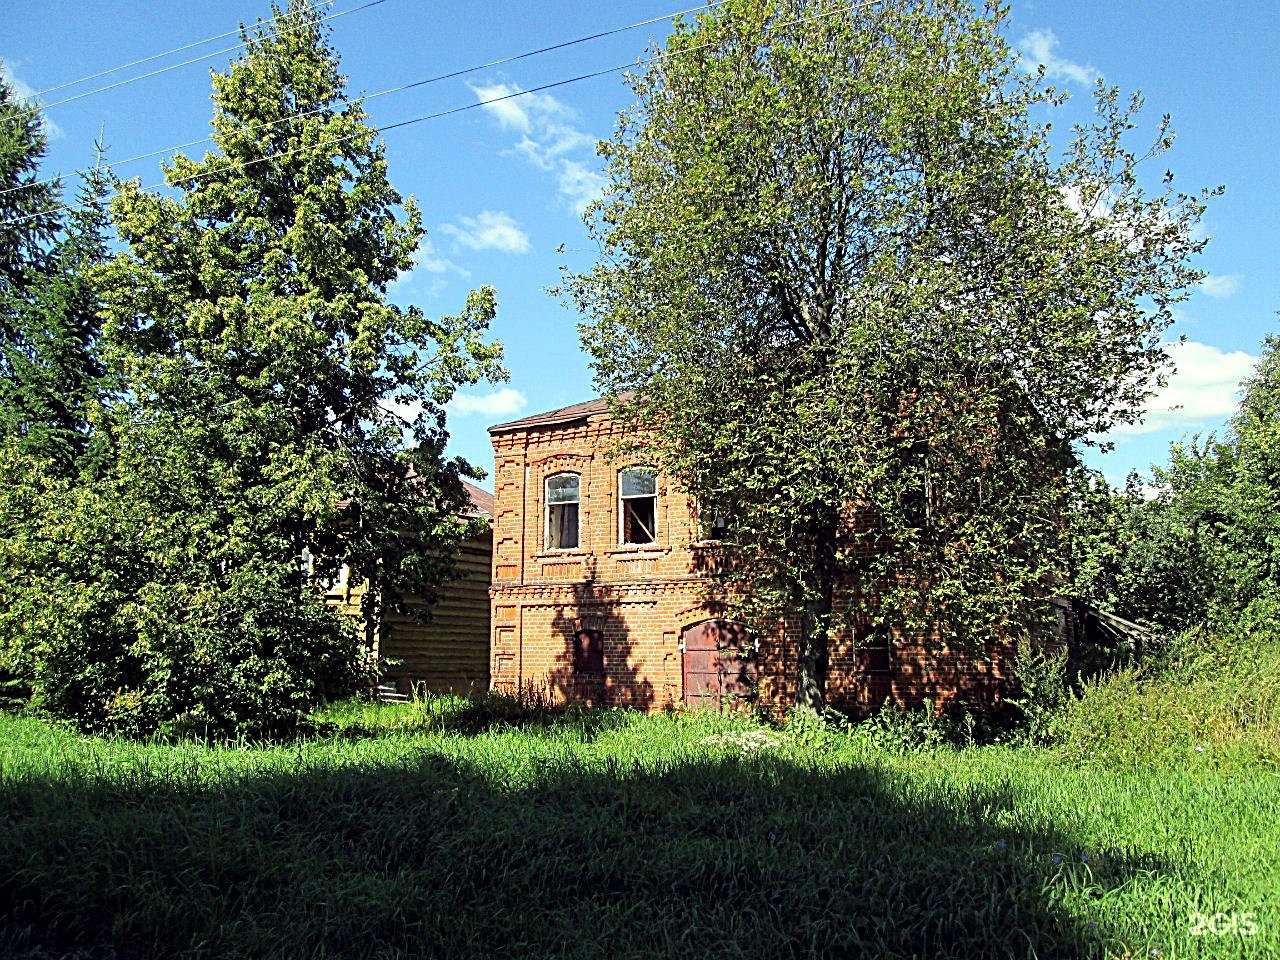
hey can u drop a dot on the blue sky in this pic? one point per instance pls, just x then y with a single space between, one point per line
502 186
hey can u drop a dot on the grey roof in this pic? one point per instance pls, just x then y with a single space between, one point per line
569 414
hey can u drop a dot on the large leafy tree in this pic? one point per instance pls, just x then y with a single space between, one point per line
256 363
866 313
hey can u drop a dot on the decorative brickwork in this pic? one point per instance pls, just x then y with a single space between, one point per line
643 597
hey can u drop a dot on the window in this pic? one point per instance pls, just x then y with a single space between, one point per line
563 497
713 523
638 512
334 584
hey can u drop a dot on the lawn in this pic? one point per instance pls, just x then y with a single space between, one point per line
436 830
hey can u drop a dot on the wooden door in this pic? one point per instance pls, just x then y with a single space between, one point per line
719 663
588 665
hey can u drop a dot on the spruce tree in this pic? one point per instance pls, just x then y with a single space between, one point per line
52 371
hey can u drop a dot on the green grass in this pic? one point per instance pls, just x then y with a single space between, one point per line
1212 692
449 828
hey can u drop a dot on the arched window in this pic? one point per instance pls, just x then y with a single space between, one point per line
637 505
563 494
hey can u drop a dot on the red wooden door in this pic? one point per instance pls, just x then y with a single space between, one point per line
719 662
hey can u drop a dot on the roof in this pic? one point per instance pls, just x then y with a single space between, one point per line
569 414
481 500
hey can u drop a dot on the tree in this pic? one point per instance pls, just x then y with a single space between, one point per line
256 362
52 371
867 314
28 208
1139 555
1222 497
37 326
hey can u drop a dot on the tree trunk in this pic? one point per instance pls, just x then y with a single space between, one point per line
811 662
811 649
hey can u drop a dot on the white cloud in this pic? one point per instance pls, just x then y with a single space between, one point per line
429 274
1220 286
1038 49
504 102
428 258
489 230
25 92
579 184
1203 392
549 139
499 403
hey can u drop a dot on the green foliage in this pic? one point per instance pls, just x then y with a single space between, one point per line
843 276
1044 688
1202 543
52 373
28 214
1137 555
250 365
1213 694
629 836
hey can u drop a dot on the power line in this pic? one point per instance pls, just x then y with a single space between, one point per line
158 56
187 63
382 93
445 113
484 103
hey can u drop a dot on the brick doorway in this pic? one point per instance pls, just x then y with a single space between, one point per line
719 664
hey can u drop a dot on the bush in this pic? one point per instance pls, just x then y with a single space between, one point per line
1043 689
115 624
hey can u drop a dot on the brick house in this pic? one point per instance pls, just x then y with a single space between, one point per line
605 589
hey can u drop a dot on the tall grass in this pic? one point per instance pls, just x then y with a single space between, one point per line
478 829
1213 692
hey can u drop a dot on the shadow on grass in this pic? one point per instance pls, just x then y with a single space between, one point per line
432 855
477 714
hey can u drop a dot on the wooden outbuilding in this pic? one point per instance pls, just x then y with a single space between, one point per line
447 651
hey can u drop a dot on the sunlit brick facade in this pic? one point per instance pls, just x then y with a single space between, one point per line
594 614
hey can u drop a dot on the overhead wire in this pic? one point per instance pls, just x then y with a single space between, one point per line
187 63
334 141
158 56
365 98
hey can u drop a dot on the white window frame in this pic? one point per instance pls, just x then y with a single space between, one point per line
622 506
548 505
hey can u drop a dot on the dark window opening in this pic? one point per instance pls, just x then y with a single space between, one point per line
638 494
713 522
588 653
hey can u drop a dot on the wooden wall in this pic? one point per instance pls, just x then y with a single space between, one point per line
450 652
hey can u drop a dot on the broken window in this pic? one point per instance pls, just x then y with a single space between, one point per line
713 523
563 497
638 513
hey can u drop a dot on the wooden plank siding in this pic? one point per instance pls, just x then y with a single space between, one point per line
450 651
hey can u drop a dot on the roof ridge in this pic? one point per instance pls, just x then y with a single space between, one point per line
574 411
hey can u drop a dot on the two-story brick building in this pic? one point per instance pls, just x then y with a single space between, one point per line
604 588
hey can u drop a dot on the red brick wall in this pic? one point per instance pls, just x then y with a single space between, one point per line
642 597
